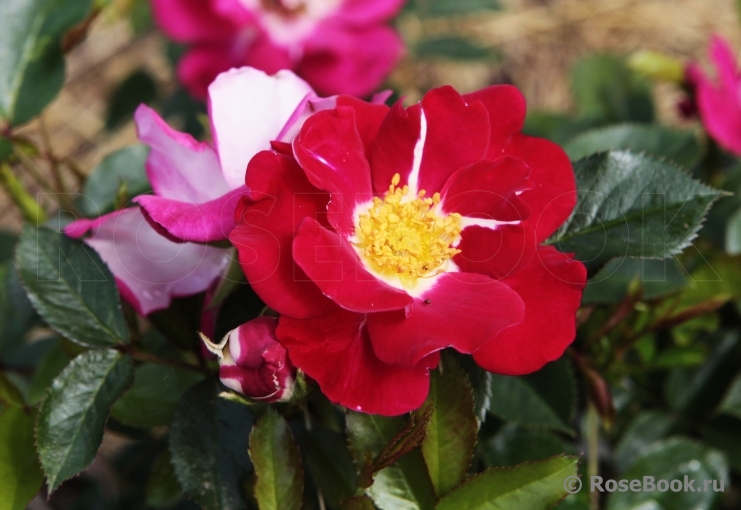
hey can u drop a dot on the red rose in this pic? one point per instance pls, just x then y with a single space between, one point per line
252 362
384 235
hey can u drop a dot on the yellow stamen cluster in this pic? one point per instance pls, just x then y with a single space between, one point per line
407 238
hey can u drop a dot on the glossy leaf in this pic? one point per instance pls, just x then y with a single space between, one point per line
456 7
31 58
480 381
451 432
731 403
696 392
328 461
151 400
657 278
544 399
455 48
724 434
535 486
20 474
163 489
6 148
675 459
137 88
680 147
277 461
645 429
632 205
49 368
71 288
404 485
604 88
513 445
120 171
73 414
9 394
208 442
733 234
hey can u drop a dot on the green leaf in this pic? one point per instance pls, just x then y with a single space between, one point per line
208 442
731 403
545 399
645 429
71 288
31 55
120 170
72 416
6 148
9 394
277 461
20 473
480 381
455 48
733 234
151 400
163 489
696 392
674 459
724 434
456 7
513 445
49 368
330 465
632 205
606 89
405 485
556 127
451 432
137 88
657 279
680 147
534 486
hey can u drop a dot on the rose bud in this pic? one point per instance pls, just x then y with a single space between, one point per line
253 363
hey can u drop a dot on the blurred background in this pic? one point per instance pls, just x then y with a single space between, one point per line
118 60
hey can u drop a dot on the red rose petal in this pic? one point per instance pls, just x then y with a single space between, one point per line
281 198
335 351
496 252
331 152
488 189
551 287
332 263
457 135
463 311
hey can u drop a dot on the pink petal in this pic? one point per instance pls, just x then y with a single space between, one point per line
368 12
462 310
248 109
192 20
178 167
152 268
333 264
338 60
200 223
335 351
201 64
551 287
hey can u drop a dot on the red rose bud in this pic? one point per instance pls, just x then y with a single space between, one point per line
253 363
